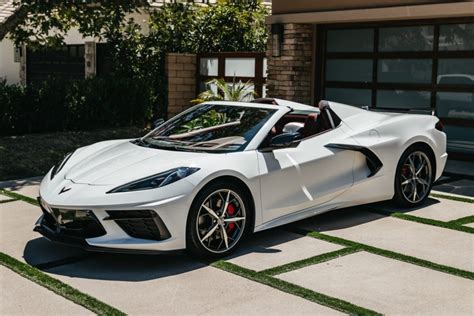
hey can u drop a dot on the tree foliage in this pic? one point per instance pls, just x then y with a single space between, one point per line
138 50
47 22
230 25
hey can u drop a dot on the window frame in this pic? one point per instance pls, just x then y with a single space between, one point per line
258 80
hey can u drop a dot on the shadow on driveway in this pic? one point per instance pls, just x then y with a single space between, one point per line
136 268
17 185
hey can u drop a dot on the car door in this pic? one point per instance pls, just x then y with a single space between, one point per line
295 179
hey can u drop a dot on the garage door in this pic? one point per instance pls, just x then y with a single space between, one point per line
416 65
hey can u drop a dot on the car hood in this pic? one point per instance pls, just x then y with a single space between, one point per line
121 162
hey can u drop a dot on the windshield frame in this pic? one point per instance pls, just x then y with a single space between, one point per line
271 108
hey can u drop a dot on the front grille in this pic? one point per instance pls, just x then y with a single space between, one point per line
143 224
87 226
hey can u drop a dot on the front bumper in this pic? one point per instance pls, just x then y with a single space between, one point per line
61 237
131 230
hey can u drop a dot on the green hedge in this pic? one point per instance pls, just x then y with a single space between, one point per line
59 105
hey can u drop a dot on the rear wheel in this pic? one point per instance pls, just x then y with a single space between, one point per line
414 177
218 220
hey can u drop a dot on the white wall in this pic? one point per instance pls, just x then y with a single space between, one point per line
11 70
74 37
8 68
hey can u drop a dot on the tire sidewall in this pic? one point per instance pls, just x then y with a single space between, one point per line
193 244
399 197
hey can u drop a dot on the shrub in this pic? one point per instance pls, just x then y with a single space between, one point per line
59 105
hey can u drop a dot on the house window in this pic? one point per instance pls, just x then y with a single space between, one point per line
239 66
407 65
66 62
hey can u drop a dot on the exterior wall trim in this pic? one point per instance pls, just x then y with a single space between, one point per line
412 12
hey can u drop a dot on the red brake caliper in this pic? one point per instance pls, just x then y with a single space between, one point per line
405 171
230 212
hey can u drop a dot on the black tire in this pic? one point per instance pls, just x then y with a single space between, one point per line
194 234
406 193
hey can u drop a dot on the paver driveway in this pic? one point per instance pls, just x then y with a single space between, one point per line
360 260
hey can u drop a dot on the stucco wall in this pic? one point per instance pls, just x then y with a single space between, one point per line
8 68
11 70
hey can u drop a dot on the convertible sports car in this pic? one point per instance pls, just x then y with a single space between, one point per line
221 170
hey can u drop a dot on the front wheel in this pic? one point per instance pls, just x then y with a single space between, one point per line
218 220
414 177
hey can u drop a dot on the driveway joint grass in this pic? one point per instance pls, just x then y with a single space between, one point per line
294 289
452 197
453 225
18 196
8 200
309 261
58 287
463 220
391 254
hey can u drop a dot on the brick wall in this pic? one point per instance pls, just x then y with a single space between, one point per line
181 79
290 75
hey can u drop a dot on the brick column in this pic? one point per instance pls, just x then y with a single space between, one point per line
180 72
290 75
90 52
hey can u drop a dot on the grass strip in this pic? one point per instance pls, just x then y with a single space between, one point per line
8 200
463 220
433 222
453 225
454 198
58 287
394 255
294 289
17 196
309 261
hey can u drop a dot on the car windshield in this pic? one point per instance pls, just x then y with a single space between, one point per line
209 128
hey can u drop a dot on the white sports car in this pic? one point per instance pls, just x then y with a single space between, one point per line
221 170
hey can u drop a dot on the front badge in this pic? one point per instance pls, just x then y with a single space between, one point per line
64 189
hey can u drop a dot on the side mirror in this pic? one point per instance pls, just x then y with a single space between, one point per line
284 140
158 122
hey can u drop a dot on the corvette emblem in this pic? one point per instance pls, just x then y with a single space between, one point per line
64 189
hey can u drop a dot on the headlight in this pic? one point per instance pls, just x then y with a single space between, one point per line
60 165
157 180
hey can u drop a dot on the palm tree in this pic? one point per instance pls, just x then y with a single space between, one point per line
237 91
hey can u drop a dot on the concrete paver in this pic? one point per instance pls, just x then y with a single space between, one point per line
4 197
276 247
18 239
434 208
19 296
470 225
439 245
30 190
388 286
172 284
177 285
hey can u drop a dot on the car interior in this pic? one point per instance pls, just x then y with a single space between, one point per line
306 123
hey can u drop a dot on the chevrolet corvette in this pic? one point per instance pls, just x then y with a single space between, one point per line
219 171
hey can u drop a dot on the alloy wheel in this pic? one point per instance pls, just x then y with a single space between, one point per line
221 221
416 174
